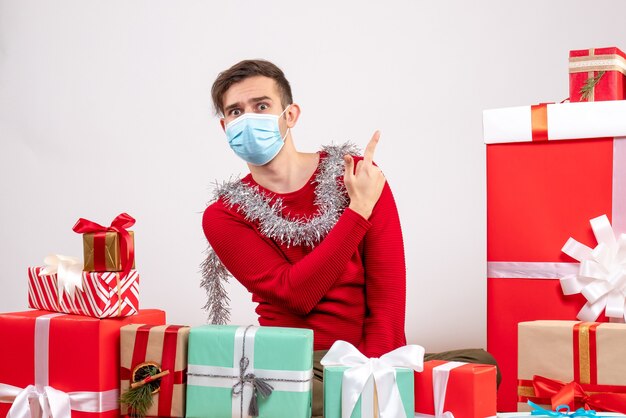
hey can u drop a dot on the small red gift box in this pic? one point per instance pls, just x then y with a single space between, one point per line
464 389
67 363
597 74
103 295
550 169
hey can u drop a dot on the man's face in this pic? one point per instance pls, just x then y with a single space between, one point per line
256 94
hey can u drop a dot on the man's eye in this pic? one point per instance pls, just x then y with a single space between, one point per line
263 106
235 112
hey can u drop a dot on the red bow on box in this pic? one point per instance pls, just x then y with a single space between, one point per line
573 394
119 225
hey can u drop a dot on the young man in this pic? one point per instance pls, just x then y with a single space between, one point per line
329 256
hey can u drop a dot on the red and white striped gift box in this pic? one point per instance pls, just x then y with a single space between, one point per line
103 294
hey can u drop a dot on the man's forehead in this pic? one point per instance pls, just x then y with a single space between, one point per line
251 88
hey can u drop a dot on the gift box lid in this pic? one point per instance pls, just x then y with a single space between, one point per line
561 121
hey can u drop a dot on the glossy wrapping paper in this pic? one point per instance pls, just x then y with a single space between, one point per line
101 251
82 355
470 391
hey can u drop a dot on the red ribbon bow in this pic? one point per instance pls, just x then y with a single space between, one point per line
574 395
119 225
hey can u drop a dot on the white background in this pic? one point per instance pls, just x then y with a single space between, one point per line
105 108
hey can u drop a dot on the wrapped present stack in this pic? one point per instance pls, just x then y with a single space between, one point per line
556 180
63 358
107 286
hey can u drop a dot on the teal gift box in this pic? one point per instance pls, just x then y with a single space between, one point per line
333 376
230 367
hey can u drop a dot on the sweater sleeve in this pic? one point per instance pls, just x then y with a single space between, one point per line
263 270
385 280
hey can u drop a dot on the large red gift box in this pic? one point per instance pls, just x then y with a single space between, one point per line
464 389
55 358
103 294
550 169
604 66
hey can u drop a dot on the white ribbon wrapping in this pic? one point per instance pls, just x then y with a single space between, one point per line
228 377
361 370
69 271
606 119
441 375
43 401
601 276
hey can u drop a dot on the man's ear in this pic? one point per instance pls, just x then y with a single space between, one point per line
223 124
292 114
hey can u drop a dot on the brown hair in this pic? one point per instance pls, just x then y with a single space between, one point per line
243 70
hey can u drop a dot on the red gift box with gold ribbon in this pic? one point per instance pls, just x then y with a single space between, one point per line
164 349
579 364
597 74
550 169
63 365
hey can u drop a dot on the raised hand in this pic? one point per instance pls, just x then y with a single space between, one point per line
365 184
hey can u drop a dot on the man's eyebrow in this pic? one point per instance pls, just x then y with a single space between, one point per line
260 99
253 100
231 106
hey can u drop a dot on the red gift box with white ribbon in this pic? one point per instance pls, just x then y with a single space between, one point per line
454 388
62 365
550 169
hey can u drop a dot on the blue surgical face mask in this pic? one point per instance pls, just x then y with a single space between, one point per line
255 137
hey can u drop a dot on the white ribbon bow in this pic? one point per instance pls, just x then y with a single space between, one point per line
46 402
381 369
69 271
602 274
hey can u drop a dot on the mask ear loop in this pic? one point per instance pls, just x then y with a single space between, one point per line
288 129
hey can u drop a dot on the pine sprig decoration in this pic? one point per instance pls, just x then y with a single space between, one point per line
587 89
140 399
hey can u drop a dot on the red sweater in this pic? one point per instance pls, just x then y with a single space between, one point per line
351 286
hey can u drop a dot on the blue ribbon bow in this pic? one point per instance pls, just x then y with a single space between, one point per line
562 411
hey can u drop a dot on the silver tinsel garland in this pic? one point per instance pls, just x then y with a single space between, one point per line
331 198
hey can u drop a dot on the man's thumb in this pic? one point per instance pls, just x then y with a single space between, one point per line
349 169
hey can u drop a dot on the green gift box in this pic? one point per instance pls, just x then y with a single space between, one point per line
230 368
333 376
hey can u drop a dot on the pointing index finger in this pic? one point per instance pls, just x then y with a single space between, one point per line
368 156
